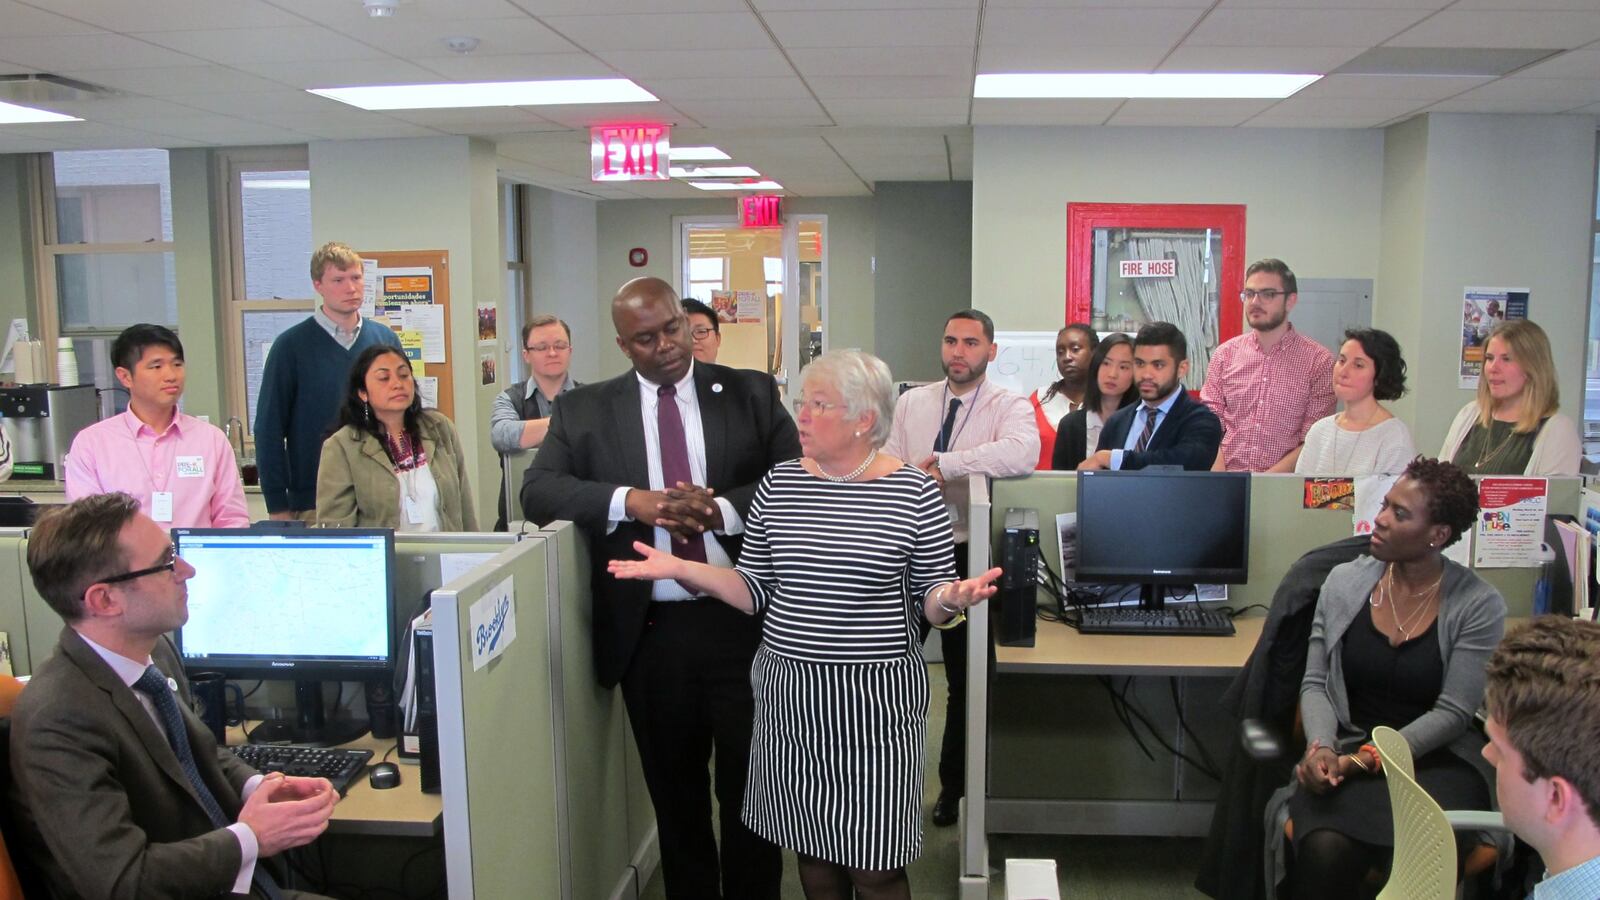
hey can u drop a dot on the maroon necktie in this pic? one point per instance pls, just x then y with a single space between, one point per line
1150 413
675 461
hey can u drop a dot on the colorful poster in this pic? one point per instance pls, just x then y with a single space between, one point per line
1330 493
1481 310
413 285
725 305
486 369
751 307
487 328
1510 522
1591 511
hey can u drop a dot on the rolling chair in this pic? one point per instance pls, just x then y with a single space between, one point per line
1424 866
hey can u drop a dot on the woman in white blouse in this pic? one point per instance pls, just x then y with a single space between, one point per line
1365 438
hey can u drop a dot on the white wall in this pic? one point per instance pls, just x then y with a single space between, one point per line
1314 198
563 254
427 194
1503 201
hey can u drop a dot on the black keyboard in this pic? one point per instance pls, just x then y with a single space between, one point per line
1135 620
335 764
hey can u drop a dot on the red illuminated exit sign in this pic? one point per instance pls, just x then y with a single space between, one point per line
629 152
760 211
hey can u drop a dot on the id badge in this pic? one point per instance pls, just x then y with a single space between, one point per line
191 467
413 510
161 506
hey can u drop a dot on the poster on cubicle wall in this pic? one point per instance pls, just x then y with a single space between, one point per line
1482 308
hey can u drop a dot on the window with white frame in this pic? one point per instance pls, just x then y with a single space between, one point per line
707 274
105 250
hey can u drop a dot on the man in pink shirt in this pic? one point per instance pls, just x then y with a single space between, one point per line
1271 383
950 429
180 469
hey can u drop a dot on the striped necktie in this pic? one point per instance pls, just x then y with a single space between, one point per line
1150 415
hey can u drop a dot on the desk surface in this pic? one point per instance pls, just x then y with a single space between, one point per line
403 810
1060 650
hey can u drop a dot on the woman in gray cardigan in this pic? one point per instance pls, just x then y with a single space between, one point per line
392 464
1401 638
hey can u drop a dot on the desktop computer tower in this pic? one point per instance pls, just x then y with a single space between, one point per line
1016 602
427 722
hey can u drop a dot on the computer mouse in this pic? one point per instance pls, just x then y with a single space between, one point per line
383 776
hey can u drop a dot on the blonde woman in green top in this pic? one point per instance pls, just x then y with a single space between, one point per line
392 464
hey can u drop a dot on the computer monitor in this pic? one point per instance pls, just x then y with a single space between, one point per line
1158 527
301 604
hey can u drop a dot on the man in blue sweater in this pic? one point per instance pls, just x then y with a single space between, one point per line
304 383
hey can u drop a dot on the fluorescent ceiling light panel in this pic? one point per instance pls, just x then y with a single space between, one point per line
1161 85
695 154
737 185
12 114
489 93
714 172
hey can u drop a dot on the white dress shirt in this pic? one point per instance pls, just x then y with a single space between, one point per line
131 671
694 436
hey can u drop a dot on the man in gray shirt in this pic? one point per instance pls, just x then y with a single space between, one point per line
520 416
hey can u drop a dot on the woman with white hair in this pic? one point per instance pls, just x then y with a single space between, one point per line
848 553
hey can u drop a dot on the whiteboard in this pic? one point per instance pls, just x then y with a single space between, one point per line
1024 361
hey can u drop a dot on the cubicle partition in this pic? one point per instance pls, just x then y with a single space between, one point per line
1046 740
30 625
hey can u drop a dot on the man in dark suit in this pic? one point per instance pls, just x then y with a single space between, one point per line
1172 429
670 453
120 790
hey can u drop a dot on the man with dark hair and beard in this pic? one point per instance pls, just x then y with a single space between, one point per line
1166 427
950 429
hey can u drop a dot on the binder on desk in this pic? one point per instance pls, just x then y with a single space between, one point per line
420 737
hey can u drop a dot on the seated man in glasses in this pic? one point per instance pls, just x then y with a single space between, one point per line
120 790
520 416
1270 384
705 330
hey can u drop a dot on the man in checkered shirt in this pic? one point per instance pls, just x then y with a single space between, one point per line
1269 384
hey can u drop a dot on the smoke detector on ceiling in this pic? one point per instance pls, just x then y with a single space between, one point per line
463 44
380 9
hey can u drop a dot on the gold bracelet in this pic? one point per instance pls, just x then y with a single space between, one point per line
1356 758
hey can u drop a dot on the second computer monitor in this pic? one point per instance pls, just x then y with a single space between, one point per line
1163 528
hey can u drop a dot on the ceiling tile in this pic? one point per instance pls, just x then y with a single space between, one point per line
234 132
875 62
625 7
28 21
1093 4
947 88
898 112
517 67
175 81
265 45
1237 110
993 59
641 64
673 90
583 116
707 33
1362 5
1048 28
1042 112
342 73
1509 107
793 107
171 15
1306 60
1572 64
282 100
860 5
1379 109
1301 27
332 126
1267 120
350 12
84 51
422 39
1472 28
1404 87
875 28
127 110
1524 4
14 143
1570 91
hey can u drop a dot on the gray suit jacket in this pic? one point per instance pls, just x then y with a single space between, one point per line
105 807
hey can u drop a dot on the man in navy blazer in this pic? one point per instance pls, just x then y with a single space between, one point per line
1166 428
683 661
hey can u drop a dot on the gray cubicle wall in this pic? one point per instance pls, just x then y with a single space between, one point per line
29 623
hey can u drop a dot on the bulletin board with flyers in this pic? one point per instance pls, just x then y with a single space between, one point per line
409 291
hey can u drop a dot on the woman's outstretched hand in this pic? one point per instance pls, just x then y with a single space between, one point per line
654 567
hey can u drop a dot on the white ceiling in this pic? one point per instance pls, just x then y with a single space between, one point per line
825 96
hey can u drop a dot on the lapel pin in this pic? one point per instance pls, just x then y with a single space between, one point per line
716 387
172 685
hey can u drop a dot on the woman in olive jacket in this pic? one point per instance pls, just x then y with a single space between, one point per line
391 463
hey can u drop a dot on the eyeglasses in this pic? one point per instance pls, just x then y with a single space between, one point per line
1247 295
558 346
817 407
701 333
169 564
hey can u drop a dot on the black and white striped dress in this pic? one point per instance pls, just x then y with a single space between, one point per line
840 572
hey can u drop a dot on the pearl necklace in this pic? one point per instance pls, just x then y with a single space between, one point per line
852 476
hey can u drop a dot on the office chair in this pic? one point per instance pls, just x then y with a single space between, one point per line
1424 866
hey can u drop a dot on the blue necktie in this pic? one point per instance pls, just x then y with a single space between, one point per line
1150 414
154 684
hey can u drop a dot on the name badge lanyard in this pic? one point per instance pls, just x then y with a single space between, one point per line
160 500
944 404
